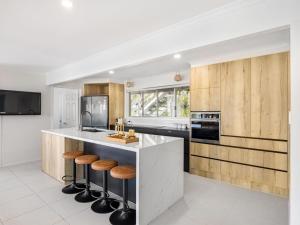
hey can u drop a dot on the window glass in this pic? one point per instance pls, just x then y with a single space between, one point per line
150 103
171 102
165 102
136 102
182 102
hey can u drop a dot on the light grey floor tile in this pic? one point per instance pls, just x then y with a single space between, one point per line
41 216
21 206
53 194
39 182
90 216
15 193
68 206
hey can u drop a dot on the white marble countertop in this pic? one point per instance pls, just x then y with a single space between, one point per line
145 140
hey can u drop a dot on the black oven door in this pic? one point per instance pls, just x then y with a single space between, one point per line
207 132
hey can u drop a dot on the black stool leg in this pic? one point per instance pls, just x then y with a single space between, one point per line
105 204
74 187
126 215
87 195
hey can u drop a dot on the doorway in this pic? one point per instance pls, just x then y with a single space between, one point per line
66 108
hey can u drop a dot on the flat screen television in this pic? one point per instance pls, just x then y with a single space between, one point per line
20 103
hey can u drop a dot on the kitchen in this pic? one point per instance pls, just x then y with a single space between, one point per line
201 133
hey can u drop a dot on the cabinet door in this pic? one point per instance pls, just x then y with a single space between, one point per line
269 96
199 77
200 99
235 98
205 88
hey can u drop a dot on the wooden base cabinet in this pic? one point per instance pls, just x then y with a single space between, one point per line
254 178
253 169
53 163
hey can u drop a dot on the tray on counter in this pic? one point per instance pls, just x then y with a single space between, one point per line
122 139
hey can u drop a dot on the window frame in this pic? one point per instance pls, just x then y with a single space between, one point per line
174 107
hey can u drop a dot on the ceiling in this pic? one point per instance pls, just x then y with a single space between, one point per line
41 36
252 45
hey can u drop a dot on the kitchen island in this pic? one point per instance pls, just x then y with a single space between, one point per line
158 159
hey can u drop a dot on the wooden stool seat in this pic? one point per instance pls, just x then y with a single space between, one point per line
123 172
102 165
86 159
72 154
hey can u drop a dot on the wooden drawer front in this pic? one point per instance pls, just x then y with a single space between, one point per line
268 145
271 160
259 179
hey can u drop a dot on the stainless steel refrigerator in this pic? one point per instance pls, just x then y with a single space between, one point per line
94 111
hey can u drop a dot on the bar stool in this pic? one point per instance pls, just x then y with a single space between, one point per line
87 195
74 187
105 204
126 215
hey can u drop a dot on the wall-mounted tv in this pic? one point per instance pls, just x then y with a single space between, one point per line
20 103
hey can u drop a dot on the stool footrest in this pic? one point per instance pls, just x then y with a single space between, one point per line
67 178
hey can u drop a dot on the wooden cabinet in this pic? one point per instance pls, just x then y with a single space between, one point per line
116 102
235 98
254 178
254 102
252 157
254 97
205 88
255 143
115 93
53 163
269 96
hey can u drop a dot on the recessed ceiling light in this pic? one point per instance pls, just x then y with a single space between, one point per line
177 56
67 4
111 72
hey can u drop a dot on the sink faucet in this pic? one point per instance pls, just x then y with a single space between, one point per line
81 115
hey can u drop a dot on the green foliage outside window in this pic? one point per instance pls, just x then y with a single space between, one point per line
171 102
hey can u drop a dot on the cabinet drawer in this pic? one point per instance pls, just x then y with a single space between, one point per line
271 160
268 145
260 179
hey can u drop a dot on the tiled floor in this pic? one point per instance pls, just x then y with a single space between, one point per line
29 197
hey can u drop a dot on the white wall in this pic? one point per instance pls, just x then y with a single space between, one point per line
20 135
295 125
157 81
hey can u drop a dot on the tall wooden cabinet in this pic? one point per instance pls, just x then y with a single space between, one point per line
205 88
269 96
253 98
235 98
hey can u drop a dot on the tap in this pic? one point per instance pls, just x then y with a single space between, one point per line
91 116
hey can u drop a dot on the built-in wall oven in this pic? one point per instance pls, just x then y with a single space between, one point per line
205 127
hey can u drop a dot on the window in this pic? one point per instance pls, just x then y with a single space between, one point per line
150 103
171 102
136 101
